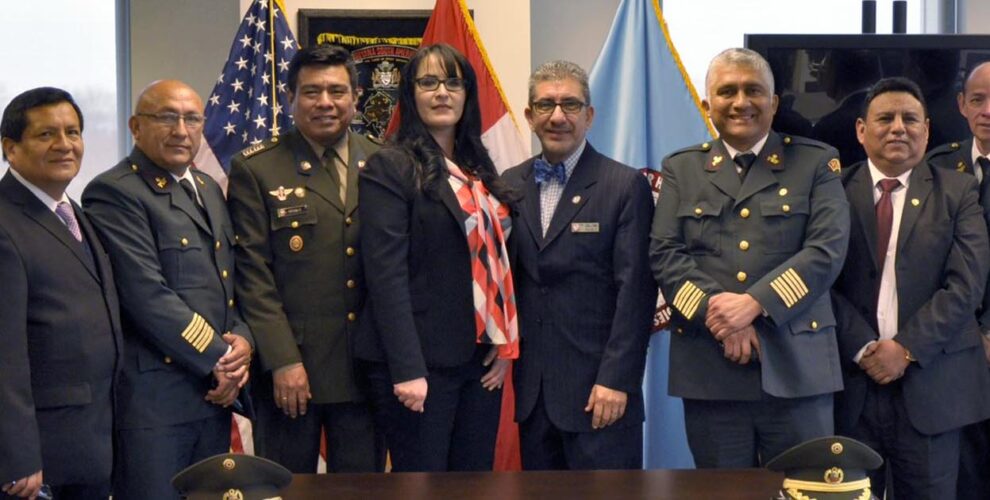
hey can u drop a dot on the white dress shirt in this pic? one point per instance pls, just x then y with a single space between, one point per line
733 152
976 154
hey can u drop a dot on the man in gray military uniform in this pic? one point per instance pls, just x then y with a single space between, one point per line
970 156
749 233
293 200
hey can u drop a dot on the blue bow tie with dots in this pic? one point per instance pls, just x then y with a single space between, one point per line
545 171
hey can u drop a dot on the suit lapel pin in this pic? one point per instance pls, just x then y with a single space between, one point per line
161 182
915 202
716 160
300 192
576 199
305 166
281 193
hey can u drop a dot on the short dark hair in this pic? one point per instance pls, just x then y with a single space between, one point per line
15 115
892 84
324 54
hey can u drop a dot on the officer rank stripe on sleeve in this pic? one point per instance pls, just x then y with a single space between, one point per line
688 298
790 287
198 333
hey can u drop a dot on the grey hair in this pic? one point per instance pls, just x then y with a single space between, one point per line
555 71
738 56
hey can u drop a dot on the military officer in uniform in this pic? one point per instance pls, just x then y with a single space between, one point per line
171 243
749 233
971 156
294 202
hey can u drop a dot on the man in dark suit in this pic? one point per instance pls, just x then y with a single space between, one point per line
970 156
60 333
172 244
584 291
909 340
750 232
293 200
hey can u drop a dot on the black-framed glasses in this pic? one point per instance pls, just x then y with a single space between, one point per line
430 82
170 119
568 106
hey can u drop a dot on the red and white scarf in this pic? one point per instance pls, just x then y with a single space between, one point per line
487 227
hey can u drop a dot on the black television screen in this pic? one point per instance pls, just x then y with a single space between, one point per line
822 80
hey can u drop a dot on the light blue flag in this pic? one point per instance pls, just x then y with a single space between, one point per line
646 108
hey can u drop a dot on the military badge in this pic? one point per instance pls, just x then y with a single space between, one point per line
961 166
834 475
773 159
835 166
161 182
233 494
228 463
281 194
716 160
296 243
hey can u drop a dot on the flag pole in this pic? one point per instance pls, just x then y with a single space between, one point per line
271 46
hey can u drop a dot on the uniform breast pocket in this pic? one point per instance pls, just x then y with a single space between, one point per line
293 229
700 226
784 219
184 261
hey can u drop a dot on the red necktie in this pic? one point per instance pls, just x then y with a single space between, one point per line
885 219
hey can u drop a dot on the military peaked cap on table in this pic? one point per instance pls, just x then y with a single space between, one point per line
827 468
230 476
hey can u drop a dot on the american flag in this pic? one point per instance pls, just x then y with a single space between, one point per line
249 102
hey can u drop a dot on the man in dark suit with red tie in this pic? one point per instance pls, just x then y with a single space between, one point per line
584 291
909 340
59 325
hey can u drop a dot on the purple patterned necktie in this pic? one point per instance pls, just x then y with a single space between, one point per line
68 216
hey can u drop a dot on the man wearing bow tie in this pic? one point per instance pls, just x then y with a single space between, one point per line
583 287
749 234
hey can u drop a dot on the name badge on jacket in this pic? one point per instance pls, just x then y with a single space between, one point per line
584 227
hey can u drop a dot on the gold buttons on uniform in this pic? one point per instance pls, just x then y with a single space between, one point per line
217 245
782 192
786 208
295 224
698 211
351 283
814 325
350 251
348 221
741 276
744 245
230 303
351 317
184 242
744 213
168 360
224 274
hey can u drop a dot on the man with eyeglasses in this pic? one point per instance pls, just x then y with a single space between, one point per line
293 200
171 242
750 232
583 287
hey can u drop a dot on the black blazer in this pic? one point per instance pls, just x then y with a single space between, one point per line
420 308
59 344
585 293
942 257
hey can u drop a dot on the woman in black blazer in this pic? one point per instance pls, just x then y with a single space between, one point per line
439 327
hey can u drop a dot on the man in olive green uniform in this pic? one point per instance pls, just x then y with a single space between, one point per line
971 156
294 201
750 232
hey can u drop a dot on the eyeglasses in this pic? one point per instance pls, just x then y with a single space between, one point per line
170 119
546 106
430 82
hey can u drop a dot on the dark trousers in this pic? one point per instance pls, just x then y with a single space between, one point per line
76 492
459 424
295 442
146 459
544 446
922 467
744 434
974 463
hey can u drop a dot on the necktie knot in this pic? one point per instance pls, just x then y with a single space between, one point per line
889 185
745 160
68 216
544 171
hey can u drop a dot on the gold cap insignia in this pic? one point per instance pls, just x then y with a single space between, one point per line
281 193
834 475
837 448
835 166
915 202
233 494
296 243
716 160
304 165
773 159
961 166
300 192
228 463
161 182
576 199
